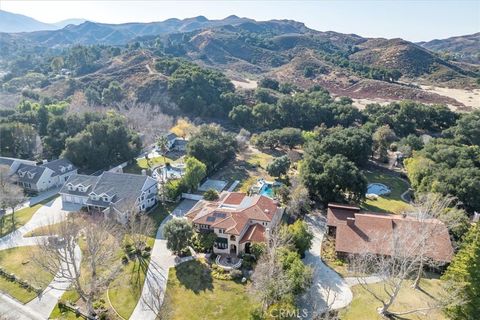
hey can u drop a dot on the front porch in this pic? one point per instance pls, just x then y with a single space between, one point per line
228 261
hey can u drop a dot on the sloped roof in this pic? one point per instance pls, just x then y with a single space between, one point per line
339 213
254 233
233 211
377 234
124 187
36 171
56 166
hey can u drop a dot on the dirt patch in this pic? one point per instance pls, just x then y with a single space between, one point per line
469 97
245 84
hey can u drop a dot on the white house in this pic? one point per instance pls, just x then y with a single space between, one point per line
174 143
112 193
238 220
39 177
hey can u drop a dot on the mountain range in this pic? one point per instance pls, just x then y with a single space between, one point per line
345 64
13 22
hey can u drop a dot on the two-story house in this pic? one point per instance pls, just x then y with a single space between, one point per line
35 177
116 194
238 220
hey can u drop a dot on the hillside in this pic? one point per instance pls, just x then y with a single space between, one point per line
462 48
12 22
345 64
89 33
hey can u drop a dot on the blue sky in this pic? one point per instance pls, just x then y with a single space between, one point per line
411 20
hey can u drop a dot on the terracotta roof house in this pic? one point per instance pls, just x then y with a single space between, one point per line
111 193
238 220
356 231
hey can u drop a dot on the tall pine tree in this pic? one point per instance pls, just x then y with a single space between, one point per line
464 275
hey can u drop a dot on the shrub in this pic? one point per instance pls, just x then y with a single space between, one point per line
210 195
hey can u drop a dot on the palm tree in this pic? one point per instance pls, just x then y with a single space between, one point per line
162 144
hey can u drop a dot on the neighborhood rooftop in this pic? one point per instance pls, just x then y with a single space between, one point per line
357 232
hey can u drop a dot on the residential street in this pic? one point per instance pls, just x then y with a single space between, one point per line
328 289
40 307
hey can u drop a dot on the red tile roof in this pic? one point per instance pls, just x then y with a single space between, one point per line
254 233
234 198
338 213
234 211
377 233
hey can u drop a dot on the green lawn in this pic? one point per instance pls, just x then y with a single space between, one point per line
389 203
192 293
363 306
142 164
124 291
22 216
19 262
44 231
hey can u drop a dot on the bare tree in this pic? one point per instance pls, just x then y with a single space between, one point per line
60 255
149 121
270 281
11 194
405 251
427 207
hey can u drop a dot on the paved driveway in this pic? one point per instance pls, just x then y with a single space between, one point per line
50 213
42 306
161 261
328 290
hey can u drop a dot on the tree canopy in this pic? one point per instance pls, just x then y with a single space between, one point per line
212 146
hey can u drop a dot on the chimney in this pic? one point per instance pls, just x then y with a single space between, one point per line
350 221
44 161
144 172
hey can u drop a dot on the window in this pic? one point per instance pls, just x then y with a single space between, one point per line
105 198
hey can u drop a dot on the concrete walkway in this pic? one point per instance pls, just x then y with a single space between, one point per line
353 281
155 284
40 307
328 290
50 213
46 302
36 199
161 260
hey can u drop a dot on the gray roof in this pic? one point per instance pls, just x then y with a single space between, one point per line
56 166
180 142
9 161
6 161
36 170
77 179
124 187
171 136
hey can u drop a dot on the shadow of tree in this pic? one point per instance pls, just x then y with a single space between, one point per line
195 275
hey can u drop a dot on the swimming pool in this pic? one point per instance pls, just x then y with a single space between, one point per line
378 189
267 190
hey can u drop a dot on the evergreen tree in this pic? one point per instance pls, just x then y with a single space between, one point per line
464 276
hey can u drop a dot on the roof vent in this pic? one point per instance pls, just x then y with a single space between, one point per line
266 211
